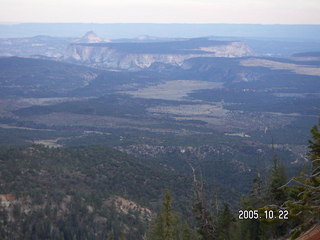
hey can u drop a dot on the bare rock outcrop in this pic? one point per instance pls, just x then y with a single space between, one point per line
108 56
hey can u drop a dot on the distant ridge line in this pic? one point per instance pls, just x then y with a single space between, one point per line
132 30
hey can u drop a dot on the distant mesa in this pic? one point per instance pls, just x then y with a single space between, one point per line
145 37
148 38
92 37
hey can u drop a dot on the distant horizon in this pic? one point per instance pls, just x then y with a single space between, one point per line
163 30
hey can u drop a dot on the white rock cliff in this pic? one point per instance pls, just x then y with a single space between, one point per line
102 55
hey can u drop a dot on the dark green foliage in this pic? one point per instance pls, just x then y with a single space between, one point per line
252 228
278 178
304 201
225 224
314 146
262 194
168 225
68 190
205 221
301 198
204 216
167 218
164 223
36 77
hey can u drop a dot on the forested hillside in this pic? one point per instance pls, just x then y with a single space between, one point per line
96 192
81 193
276 208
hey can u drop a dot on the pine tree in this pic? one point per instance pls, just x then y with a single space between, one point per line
258 193
305 202
204 218
166 225
205 222
276 194
110 235
155 230
167 217
186 235
252 228
122 236
224 223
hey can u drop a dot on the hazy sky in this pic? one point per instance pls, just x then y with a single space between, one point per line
162 11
